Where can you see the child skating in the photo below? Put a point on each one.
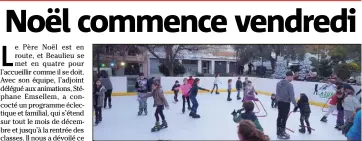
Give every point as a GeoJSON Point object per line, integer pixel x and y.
{"type": "Point", "coordinates": [238, 87]}
{"type": "Point", "coordinates": [175, 91]}
{"type": "Point", "coordinates": [216, 84]}
{"type": "Point", "coordinates": [98, 96]}
{"type": "Point", "coordinates": [160, 103]}
{"type": "Point", "coordinates": [141, 86]}
{"type": "Point", "coordinates": [229, 90]}
{"type": "Point", "coordinates": [193, 93]}
{"type": "Point", "coordinates": [273, 100]}
{"type": "Point", "coordinates": [245, 84]}
{"type": "Point", "coordinates": [185, 89]}
{"type": "Point", "coordinates": [303, 105]}
{"type": "Point", "coordinates": [340, 111]}
{"type": "Point", "coordinates": [350, 104]}
{"type": "Point", "coordinates": [249, 93]}
{"type": "Point", "coordinates": [332, 104]}
{"type": "Point", "coordinates": [247, 115]}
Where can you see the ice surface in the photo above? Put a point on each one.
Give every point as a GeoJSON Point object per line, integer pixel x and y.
{"type": "Point", "coordinates": [122, 123]}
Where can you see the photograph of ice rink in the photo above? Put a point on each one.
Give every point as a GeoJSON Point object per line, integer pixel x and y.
{"type": "Point", "coordinates": [216, 123]}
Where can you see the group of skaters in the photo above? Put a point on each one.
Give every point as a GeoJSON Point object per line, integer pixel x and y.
{"type": "Point", "coordinates": [348, 107]}
{"type": "Point", "coordinates": [189, 89]}
{"type": "Point", "coordinates": [348, 111]}
{"type": "Point", "coordinates": [344, 100]}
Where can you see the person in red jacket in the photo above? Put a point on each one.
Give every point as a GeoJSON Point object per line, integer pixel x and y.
{"type": "Point", "coordinates": [332, 104]}
{"type": "Point", "coordinates": [190, 80]}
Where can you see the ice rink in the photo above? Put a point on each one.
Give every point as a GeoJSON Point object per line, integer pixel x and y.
{"type": "Point", "coordinates": [122, 122]}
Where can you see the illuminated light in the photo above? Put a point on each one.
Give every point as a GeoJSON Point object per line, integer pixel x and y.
{"type": "Point", "coordinates": [103, 65]}
{"type": "Point", "coordinates": [123, 63]}
{"type": "Point", "coordinates": [112, 64]}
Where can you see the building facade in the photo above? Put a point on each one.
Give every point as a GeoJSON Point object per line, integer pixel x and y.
{"type": "Point", "coordinates": [121, 60]}
{"type": "Point", "coordinates": [211, 60]}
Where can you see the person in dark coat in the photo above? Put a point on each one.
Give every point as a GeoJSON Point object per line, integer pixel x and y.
{"type": "Point", "coordinates": [340, 111]}
{"type": "Point", "coordinates": [303, 105]}
{"type": "Point", "coordinates": [149, 83]}
{"type": "Point", "coordinates": [238, 87]}
{"type": "Point", "coordinates": [107, 83]}
{"type": "Point", "coordinates": [175, 90]}
{"type": "Point", "coordinates": [241, 69]}
{"type": "Point", "coordinates": [193, 93]}
{"type": "Point", "coordinates": [250, 67]}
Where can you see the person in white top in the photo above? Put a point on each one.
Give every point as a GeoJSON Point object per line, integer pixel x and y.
{"type": "Point", "coordinates": [216, 82]}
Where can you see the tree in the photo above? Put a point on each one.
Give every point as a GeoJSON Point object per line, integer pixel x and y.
{"type": "Point", "coordinates": [97, 51]}
{"type": "Point", "coordinates": [179, 69]}
{"type": "Point", "coordinates": [321, 51]}
{"type": "Point", "coordinates": [294, 52]}
{"type": "Point", "coordinates": [338, 54]}
{"type": "Point", "coordinates": [244, 53]}
{"type": "Point", "coordinates": [345, 70]}
{"type": "Point", "coordinates": [168, 54]}
{"type": "Point", "coordinates": [314, 62]}
{"type": "Point", "coordinates": [325, 68]}
{"type": "Point", "coordinates": [115, 50]}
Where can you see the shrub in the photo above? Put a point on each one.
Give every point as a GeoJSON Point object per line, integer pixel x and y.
{"type": "Point", "coordinates": [178, 69]}
{"type": "Point", "coordinates": [325, 69]}
{"type": "Point", "coordinates": [345, 70]}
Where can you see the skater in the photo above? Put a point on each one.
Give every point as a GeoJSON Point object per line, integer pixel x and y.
{"type": "Point", "coordinates": [245, 83]}
{"type": "Point", "coordinates": [340, 111]}
{"type": "Point", "coordinates": [216, 82]}
{"type": "Point", "coordinates": [350, 104]}
{"type": "Point", "coordinates": [229, 90]}
{"type": "Point", "coordinates": [332, 104]}
{"type": "Point", "coordinates": [249, 93]}
{"type": "Point", "coordinates": [98, 96]}
{"type": "Point", "coordinates": [106, 82]}
{"type": "Point", "coordinates": [354, 133]}
{"type": "Point", "coordinates": [190, 80]}
{"type": "Point", "coordinates": [175, 91]}
{"type": "Point", "coordinates": [349, 123]}
{"type": "Point", "coordinates": [303, 105]}
{"type": "Point", "coordinates": [238, 87]}
{"type": "Point", "coordinates": [193, 93]}
{"type": "Point", "coordinates": [247, 115]}
{"type": "Point", "coordinates": [159, 102]}
{"type": "Point", "coordinates": [248, 132]}
{"type": "Point", "coordinates": [141, 86]}
{"type": "Point", "coordinates": [273, 100]}
{"type": "Point", "coordinates": [185, 89]}
{"type": "Point", "coordinates": [285, 95]}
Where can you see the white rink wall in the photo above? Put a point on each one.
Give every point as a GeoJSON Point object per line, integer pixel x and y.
{"type": "Point", "coordinates": [264, 85]}
{"type": "Point", "coordinates": [119, 84]}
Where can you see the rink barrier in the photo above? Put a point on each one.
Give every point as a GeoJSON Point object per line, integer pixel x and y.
{"type": "Point", "coordinates": [317, 92]}
{"type": "Point", "coordinates": [220, 90]}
